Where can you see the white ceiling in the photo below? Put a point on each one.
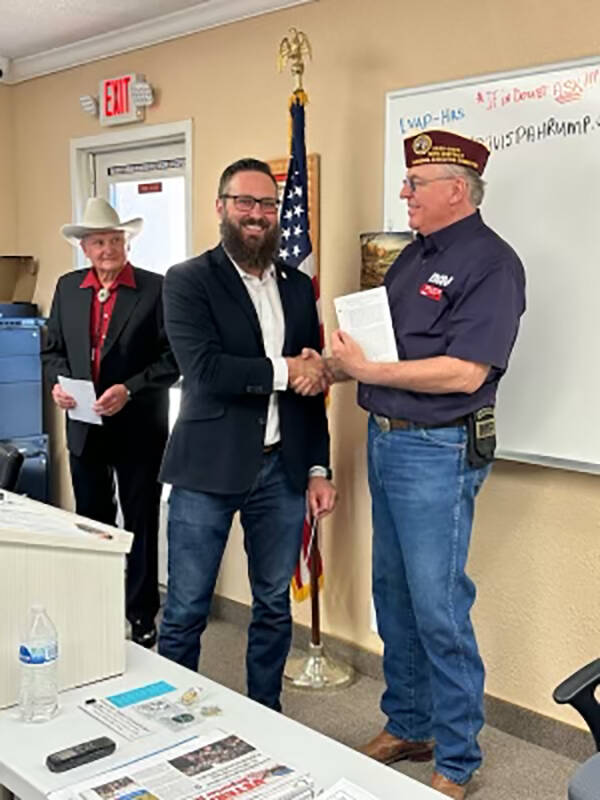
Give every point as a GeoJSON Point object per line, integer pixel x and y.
{"type": "Point", "coordinates": [42, 36]}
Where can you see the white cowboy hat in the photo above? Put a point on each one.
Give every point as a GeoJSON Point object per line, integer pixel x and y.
{"type": "Point", "coordinates": [100, 216]}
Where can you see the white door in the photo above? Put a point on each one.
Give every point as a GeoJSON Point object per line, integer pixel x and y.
{"type": "Point", "coordinates": [150, 182]}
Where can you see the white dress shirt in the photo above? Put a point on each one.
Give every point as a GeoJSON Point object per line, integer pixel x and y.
{"type": "Point", "coordinates": [264, 294]}
{"type": "Point", "coordinates": [266, 300]}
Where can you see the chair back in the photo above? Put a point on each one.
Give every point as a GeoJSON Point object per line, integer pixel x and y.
{"type": "Point", "coordinates": [10, 465]}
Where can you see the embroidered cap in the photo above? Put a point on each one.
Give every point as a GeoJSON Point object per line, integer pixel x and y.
{"type": "Point", "coordinates": [445, 147]}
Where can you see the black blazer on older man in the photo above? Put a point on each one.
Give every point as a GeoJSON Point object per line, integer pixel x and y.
{"type": "Point", "coordinates": [217, 443]}
{"type": "Point", "coordinates": [136, 353]}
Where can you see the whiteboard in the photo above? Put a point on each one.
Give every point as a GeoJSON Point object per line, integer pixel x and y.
{"type": "Point", "coordinates": [543, 197]}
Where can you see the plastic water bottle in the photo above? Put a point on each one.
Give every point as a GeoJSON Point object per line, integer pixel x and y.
{"type": "Point", "coordinates": [38, 654]}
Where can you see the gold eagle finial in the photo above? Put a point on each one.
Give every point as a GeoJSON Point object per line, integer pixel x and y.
{"type": "Point", "coordinates": [292, 48]}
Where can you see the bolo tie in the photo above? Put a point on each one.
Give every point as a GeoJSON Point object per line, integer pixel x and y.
{"type": "Point", "coordinates": [102, 295]}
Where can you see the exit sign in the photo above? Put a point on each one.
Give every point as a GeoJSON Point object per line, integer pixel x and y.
{"type": "Point", "coordinates": [116, 101]}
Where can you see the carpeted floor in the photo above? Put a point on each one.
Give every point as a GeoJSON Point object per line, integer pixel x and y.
{"type": "Point", "coordinates": [513, 769]}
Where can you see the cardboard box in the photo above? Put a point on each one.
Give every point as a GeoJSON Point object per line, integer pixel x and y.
{"type": "Point", "coordinates": [18, 277]}
{"type": "Point", "coordinates": [78, 574]}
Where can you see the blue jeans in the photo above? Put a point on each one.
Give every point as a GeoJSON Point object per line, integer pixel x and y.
{"type": "Point", "coordinates": [272, 515]}
{"type": "Point", "coordinates": [423, 493]}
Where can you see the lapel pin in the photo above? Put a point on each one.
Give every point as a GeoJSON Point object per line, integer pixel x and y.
{"type": "Point", "coordinates": [284, 275]}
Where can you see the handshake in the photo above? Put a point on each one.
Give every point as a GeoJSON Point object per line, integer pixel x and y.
{"type": "Point", "coordinates": [311, 374]}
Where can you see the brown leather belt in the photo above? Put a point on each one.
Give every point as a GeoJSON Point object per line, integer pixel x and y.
{"type": "Point", "coordinates": [270, 448]}
{"type": "Point", "coordinates": [387, 424]}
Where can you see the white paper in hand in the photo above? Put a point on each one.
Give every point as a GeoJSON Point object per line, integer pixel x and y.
{"type": "Point", "coordinates": [85, 397]}
{"type": "Point", "coordinates": [367, 318]}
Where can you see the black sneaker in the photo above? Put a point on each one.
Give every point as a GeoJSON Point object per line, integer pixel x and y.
{"type": "Point", "coordinates": [143, 633]}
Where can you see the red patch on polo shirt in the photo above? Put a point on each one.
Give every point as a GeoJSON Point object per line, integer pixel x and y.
{"type": "Point", "coordinates": [432, 292]}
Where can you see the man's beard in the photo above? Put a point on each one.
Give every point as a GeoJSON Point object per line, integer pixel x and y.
{"type": "Point", "coordinates": [253, 253]}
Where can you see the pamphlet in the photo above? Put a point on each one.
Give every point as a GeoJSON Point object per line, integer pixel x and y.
{"type": "Point", "coordinates": [85, 396]}
{"type": "Point", "coordinates": [367, 318]}
{"type": "Point", "coordinates": [148, 709]}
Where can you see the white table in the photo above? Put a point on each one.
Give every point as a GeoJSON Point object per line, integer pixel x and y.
{"type": "Point", "coordinates": [24, 747]}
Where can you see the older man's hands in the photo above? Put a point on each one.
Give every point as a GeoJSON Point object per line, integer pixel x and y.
{"type": "Point", "coordinates": [61, 398]}
{"type": "Point", "coordinates": [112, 400]}
{"type": "Point", "coordinates": [348, 354]}
{"type": "Point", "coordinates": [108, 404]}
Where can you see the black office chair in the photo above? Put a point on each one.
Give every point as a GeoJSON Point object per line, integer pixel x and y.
{"type": "Point", "coordinates": [579, 691]}
{"type": "Point", "coordinates": [10, 465]}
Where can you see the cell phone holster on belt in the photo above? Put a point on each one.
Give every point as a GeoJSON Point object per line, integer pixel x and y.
{"type": "Point", "coordinates": [481, 436]}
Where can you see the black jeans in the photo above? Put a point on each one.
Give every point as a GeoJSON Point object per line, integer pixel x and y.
{"type": "Point", "coordinates": [93, 475]}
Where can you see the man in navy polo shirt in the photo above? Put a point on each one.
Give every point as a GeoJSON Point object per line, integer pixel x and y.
{"type": "Point", "coordinates": [456, 295]}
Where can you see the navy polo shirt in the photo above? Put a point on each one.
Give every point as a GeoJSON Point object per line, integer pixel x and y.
{"type": "Point", "coordinates": [458, 292]}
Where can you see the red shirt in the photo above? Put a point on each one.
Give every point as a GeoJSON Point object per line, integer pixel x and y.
{"type": "Point", "coordinates": [101, 313]}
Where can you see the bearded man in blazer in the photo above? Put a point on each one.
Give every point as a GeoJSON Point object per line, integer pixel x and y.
{"type": "Point", "coordinates": [106, 326]}
{"type": "Point", "coordinates": [244, 331]}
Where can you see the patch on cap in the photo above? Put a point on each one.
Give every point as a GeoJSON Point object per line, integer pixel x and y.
{"type": "Point", "coordinates": [445, 147]}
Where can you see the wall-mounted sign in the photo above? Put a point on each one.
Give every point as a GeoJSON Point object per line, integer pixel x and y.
{"type": "Point", "coordinates": [116, 101]}
{"type": "Point", "coordinates": [121, 99]}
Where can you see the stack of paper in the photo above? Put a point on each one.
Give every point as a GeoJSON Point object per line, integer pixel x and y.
{"type": "Point", "coordinates": [213, 767]}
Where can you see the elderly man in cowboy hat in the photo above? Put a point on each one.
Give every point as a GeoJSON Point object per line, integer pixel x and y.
{"type": "Point", "coordinates": [106, 326]}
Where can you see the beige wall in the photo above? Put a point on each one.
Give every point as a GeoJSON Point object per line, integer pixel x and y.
{"type": "Point", "coordinates": [8, 198]}
{"type": "Point", "coordinates": [535, 549]}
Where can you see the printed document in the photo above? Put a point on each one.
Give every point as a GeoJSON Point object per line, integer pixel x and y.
{"type": "Point", "coordinates": [346, 790]}
{"type": "Point", "coordinates": [85, 397]}
{"type": "Point", "coordinates": [367, 318]}
{"type": "Point", "coordinates": [148, 709]}
{"type": "Point", "coordinates": [219, 766]}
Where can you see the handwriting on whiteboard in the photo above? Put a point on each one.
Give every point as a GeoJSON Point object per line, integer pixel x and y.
{"type": "Point", "coordinates": [537, 132]}
{"type": "Point", "coordinates": [441, 117]}
{"type": "Point", "coordinates": [564, 90]}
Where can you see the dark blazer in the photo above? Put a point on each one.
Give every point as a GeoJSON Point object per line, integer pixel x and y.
{"type": "Point", "coordinates": [136, 353]}
{"type": "Point", "coordinates": [217, 443]}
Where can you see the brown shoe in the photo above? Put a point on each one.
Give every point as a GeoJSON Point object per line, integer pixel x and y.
{"type": "Point", "coordinates": [387, 749]}
{"type": "Point", "coordinates": [445, 786]}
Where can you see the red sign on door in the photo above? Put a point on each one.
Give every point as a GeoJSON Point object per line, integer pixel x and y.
{"type": "Point", "coordinates": [144, 188]}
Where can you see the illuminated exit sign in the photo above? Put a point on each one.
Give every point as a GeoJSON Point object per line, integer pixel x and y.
{"type": "Point", "coordinates": [116, 101]}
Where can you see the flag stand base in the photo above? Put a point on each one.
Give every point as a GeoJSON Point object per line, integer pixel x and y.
{"type": "Point", "coordinates": [317, 671]}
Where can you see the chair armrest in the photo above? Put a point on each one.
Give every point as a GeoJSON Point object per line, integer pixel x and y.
{"type": "Point", "coordinates": [578, 690]}
{"type": "Point", "coordinates": [10, 464]}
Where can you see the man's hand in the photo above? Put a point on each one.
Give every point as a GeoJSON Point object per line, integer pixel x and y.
{"type": "Point", "coordinates": [306, 373]}
{"type": "Point", "coordinates": [61, 398]}
{"type": "Point", "coordinates": [348, 353]}
{"type": "Point", "coordinates": [112, 400]}
{"type": "Point", "coordinates": [322, 496]}
{"type": "Point", "coordinates": [333, 370]}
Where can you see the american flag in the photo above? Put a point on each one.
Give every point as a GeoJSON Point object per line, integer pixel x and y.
{"type": "Point", "coordinates": [296, 251]}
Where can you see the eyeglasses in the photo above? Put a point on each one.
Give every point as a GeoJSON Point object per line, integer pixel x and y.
{"type": "Point", "coordinates": [246, 202]}
{"type": "Point", "coordinates": [413, 183]}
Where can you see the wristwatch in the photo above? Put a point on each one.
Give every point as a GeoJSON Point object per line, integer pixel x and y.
{"type": "Point", "coordinates": [320, 472]}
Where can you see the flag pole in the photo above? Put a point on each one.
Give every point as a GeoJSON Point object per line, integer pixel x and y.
{"type": "Point", "coordinates": [315, 670]}
{"type": "Point", "coordinates": [315, 611]}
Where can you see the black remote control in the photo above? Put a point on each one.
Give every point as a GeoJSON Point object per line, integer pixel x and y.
{"type": "Point", "coordinates": [80, 754]}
